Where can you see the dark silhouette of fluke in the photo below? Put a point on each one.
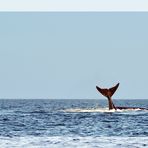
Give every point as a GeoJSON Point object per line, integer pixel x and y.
{"type": "Point", "coordinates": [109, 93]}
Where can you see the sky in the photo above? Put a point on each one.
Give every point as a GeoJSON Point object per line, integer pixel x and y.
{"type": "Point", "coordinates": [73, 5]}
{"type": "Point", "coordinates": [64, 55]}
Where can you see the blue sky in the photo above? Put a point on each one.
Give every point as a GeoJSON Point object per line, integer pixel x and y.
{"type": "Point", "coordinates": [65, 55]}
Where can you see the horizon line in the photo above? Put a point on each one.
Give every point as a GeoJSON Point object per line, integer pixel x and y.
{"type": "Point", "coordinates": [69, 99]}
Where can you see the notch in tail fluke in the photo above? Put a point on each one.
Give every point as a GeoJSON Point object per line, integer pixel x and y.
{"type": "Point", "coordinates": [107, 92]}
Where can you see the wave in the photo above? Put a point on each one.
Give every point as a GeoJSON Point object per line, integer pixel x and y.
{"type": "Point", "coordinates": [73, 141]}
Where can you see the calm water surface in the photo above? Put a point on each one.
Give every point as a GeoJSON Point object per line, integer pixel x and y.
{"type": "Point", "coordinates": [72, 123]}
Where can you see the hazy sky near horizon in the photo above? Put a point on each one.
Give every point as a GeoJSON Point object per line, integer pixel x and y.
{"type": "Point", "coordinates": [65, 55]}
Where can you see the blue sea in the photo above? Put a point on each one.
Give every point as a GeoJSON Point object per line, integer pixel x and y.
{"type": "Point", "coordinates": [72, 123]}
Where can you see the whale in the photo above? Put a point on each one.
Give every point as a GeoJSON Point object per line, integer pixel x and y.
{"type": "Point", "coordinates": [109, 92]}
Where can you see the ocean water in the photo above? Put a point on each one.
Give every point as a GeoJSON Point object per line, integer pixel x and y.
{"type": "Point", "coordinates": [70, 123]}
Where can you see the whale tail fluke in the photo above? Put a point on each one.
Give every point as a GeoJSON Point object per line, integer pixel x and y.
{"type": "Point", "coordinates": [107, 92]}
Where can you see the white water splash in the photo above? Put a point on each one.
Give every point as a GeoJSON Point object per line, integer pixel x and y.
{"type": "Point", "coordinates": [101, 110]}
{"type": "Point", "coordinates": [73, 142]}
{"type": "Point", "coordinates": [89, 110]}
